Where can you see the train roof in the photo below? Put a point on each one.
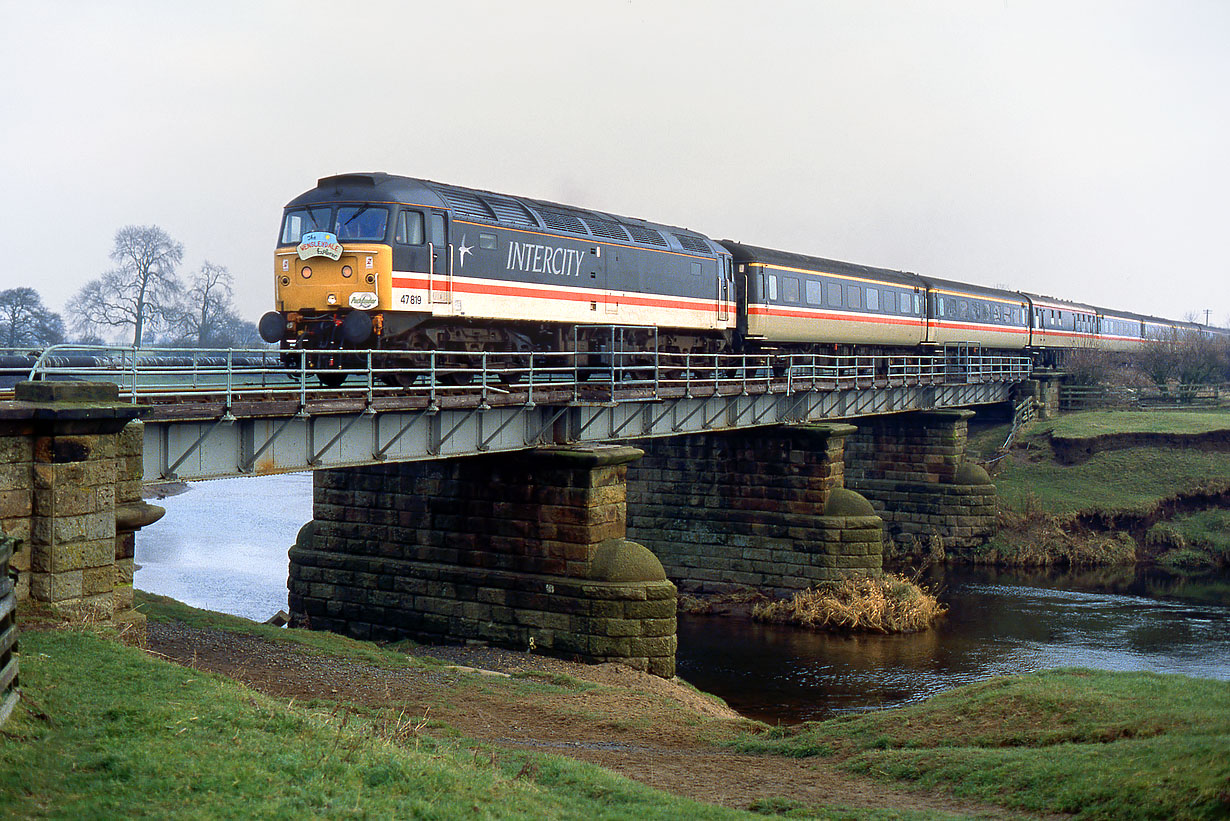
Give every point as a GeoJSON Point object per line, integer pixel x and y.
{"type": "Point", "coordinates": [1041, 300]}
{"type": "Point", "coordinates": [786, 259]}
{"type": "Point", "coordinates": [976, 290]}
{"type": "Point", "coordinates": [504, 209]}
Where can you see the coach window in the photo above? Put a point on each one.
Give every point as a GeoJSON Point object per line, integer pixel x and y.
{"type": "Point", "coordinates": [854, 296]}
{"type": "Point", "coordinates": [814, 291]}
{"type": "Point", "coordinates": [873, 299]}
{"type": "Point", "coordinates": [790, 288]}
{"type": "Point", "coordinates": [773, 286]}
{"type": "Point", "coordinates": [904, 301]}
{"type": "Point", "coordinates": [833, 295]}
{"type": "Point", "coordinates": [410, 228]}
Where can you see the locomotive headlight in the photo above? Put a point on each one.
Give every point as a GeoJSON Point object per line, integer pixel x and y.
{"type": "Point", "coordinates": [307, 272]}
{"type": "Point", "coordinates": [286, 280]}
{"type": "Point", "coordinates": [331, 299]}
{"type": "Point", "coordinates": [370, 278]}
{"type": "Point", "coordinates": [347, 271]}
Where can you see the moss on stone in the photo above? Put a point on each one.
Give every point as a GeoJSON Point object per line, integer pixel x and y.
{"type": "Point", "coordinates": [845, 502]}
{"type": "Point", "coordinates": [619, 560]}
{"type": "Point", "coordinates": [970, 473]}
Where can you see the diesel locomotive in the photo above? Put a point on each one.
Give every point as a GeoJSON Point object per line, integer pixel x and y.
{"type": "Point", "coordinates": [383, 262]}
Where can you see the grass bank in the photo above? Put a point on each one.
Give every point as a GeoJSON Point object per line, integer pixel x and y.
{"type": "Point", "coordinates": [107, 731]}
{"type": "Point", "coordinates": [1097, 512]}
{"type": "Point", "coordinates": [1100, 423]}
{"type": "Point", "coordinates": [1091, 743]}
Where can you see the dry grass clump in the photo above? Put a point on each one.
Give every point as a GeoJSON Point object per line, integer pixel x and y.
{"type": "Point", "coordinates": [886, 604]}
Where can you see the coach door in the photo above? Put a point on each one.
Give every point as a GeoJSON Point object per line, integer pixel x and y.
{"type": "Point", "coordinates": [440, 272]}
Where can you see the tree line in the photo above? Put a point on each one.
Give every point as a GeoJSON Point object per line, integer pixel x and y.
{"type": "Point", "coordinates": [143, 300]}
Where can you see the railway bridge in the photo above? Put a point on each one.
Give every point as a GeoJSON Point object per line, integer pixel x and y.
{"type": "Point", "coordinates": [557, 503]}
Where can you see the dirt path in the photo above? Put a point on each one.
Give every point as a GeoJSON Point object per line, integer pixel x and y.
{"type": "Point", "coordinates": [659, 732]}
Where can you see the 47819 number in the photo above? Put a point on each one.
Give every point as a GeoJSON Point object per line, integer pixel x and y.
{"type": "Point", "coordinates": [412, 299]}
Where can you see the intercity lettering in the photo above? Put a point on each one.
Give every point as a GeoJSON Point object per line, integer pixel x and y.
{"type": "Point", "coordinates": [544, 259]}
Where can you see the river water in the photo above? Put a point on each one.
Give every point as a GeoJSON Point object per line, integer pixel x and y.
{"type": "Point", "coordinates": [222, 546]}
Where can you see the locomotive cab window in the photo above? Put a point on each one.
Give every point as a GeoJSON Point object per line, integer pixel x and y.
{"type": "Point", "coordinates": [410, 228]}
{"type": "Point", "coordinates": [297, 223]}
{"type": "Point", "coordinates": [361, 222]}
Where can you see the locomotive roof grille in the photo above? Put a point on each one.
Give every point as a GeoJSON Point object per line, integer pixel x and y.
{"type": "Point", "coordinates": [691, 243]}
{"type": "Point", "coordinates": [606, 228]}
{"type": "Point", "coordinates": [468, 205]}
{"type": "Point", "coordinates": [645, 235]}
{"type": "Point", "coordinates": [562, 222]}
{"type": "Point", "coordinates": [510, 212]}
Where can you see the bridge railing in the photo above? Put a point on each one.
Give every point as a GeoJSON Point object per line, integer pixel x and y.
{"type": "Point", "coordinates": [154, 375]}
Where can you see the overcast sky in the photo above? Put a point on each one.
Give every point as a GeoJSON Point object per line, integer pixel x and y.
{"type": "Point", "coordinates": [1076, 148]}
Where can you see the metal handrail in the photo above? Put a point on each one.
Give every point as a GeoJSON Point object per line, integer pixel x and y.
{"type": "Point", "coordinates": [229, 375]}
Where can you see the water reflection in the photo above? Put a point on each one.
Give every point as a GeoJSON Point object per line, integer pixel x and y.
{"type": "Point", "coordinates": [222, 546]}
{"type": "Point", "coordinates": [999, 623]}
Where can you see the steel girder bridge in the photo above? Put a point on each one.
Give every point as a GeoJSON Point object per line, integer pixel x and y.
{"type": "Point", "coordinates": [214, 414]}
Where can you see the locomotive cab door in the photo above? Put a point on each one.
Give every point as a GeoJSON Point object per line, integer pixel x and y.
{"type": "Point", "coordinates": [440, 273]}
{"type": "Point", "coordinates": [723, 294]}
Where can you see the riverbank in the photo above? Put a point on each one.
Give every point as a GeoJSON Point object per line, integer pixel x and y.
{"type": "Point", "coordinates": [226, 717]}
{"type": "Point", "coordinates": [1110, 487]}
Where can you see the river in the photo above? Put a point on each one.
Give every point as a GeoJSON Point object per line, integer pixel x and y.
{"type": "Point", "coordinates": [222, 546]}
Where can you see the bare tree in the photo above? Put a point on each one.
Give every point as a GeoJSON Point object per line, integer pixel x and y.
{"type": "Point", "coordinates": [205, 305]}
{"type": "Point", "coordinates": [140, 292]}
{"type": "Point", "coordinates": [205, 316]}
{"type": "Point", "coordinates": [24, 320]}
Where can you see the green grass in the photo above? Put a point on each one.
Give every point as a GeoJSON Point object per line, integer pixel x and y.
{"type": "Point", "coordinates": [1198, 540]}
{"type": "Point", "coordinates": [1132, 480]}
{"type": "Point", "coordinates": [1098, 423]}
{"type": "Point", "coordinates": [162, 609]}
{"type": "Point", "coordinates": [106, 731]}
{"type": "Point", "coordinates": [1093, 743]}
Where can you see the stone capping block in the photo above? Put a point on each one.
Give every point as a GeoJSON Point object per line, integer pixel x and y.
{"type": "Point", "coordinates": [75, 407]}
{"type": "Point", "coordinates": [585, 458]}
{"type": "Point", "coordinates": [820, 431]}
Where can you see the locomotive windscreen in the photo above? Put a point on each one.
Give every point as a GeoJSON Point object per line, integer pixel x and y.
{"type": "Point", "coordinates": [347, 222]}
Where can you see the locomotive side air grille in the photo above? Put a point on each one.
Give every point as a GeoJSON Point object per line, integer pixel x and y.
{"type": "Point", "coordinates": [691, 243]}
{"type": "Point", "coordinates": [467, 205]}
{"type": "Point", "coordinates": [562, 222]}
{"type": "Point", "coordinates": [606, 228]}
{"type": "Point", "coordinates": [510, 212]}
{"type": "Point", "coordinates": [645, 235]}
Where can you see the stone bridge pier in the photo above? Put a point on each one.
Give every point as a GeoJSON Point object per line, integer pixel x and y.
{"type": "Point", "coordinates": [913, 469]}
{"type": "Point", "coordinates": [764, 508]}
{"type": "Point", "coordinates": [70, 494]}
{"type": "Point", "coordinates": [526, 550]}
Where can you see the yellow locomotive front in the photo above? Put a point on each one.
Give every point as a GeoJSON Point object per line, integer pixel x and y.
{"type": "Point", "coordinates": [332, 277]}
